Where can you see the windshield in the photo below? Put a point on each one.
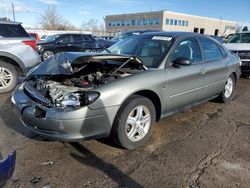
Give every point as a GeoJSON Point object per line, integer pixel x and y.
{"type": "Point", "coordinates": [51, 38]}
{"type": "Point", "coordinates": [150, 49]}
{"type": "Point", "coordinates": [124, 35]}
{"type": "Point", "coordinates": [239, 38]}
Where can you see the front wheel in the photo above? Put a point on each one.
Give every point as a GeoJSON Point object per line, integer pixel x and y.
{"type": "Point", "coordinates": [47, 54]}
{"type": "Point", "coordinates": [133, 124]}
{"type": "Point", "coordinates": [227, 94]}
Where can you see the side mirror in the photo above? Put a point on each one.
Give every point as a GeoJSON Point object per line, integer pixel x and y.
{"type": "Point", "coordinates": [181, 61]}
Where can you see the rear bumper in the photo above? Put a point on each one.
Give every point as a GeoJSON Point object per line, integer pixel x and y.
{"type": "Point", "coordinates": [68, 125]}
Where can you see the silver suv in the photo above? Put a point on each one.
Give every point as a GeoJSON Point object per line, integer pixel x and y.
{"type": "Point", "coordinates": [17, 54]}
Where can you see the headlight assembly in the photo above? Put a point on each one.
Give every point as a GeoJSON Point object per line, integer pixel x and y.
{"type": "Point", "coordinates": [78, 99]}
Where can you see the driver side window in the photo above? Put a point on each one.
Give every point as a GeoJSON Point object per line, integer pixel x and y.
{"type": "Point", "coordinates": [189, 49]}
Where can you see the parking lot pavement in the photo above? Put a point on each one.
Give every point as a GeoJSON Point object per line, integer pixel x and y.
{"type": "Point", "coordinates": [206, 146]}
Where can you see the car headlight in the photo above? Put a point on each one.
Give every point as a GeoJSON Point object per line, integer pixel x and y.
{"type": "Point", "coordinates": [90, 97]}
{"type": "Point", "coordinates": [78, 99]}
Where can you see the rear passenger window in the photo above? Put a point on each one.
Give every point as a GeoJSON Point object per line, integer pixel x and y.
{"type": "Point", "coordinates": [65, 39]}
{"type": "Point", "coordinates": [86, 37]}
{"type": "Point", "coordinates": [77, 38]}
{"type": "Point", "coordinates": [12, 30]}
{"type": "Point", "coordinates": [211, 50]}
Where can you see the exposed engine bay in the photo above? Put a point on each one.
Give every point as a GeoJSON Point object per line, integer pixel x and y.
{"type": "Point", "coordinates": [75, 90]}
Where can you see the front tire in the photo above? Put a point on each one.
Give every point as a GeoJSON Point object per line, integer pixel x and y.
{"type": "Point", "coordinates": [8, 77]}
{"type": "Point", "coordinates": [134, 121]}
{"type": "Point", "coordinates": [228, 91]}
{"type": "Point", "coordinates": [47, 54]}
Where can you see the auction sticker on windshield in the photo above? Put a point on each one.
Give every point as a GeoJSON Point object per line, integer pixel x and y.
{"type": "Point", "coordinates": [162, 38]}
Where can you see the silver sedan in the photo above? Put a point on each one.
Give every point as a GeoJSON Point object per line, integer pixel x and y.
{"type": "Point", "coordinates": [122, 92]}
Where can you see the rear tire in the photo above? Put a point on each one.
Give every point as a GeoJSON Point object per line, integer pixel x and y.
{"type": "Point", "coordinates": [134, 121]}
{"type": "Point", "coordinates": [8, 77]}
{"type": "Point", "coordinates": [229, 89]}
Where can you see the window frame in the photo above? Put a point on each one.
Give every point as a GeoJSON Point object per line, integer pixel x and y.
{"type": "Point", "coordinates": [222, 51]}
{"type": "Point", "coordinates": [167, 21]}
{"type": "Point", "coordinates": [176, 44]}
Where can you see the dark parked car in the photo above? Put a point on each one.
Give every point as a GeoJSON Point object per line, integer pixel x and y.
{"type": "Point", "coordinates": [76, 96]}
{"type": "Point", "coordinates": [122, 36]}
{"type": "Point", "coordinates": [65, 43]}
{"type": "Point", "coordinates": [221, 40]}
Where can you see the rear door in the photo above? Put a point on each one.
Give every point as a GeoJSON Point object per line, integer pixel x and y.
{"type": "Point", "coordinates": [185, 84]}
{"type": "Point", "coordinates": [77, 43]}
{"type": "Point", "coordinates": [216, 65]}
{"type": "Point", "coordinates": [88, 42]}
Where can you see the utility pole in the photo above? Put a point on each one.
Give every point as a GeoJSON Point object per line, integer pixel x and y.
{"type": "Point", "coordinates": [6, 9]}
{"type": "Point", "coordinates": [13, 11]}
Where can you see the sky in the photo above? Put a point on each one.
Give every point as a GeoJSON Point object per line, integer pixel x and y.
{"type": "Point", "coordinates": [78, 11]}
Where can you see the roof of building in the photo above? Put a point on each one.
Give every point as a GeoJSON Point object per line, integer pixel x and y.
{"type": "Point", "coordinates": [166, 11]}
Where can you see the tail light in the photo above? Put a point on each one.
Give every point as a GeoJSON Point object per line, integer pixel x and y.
{"type": "Point", "coordinates": [31, 43]}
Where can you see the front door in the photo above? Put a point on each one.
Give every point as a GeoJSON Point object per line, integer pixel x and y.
{"type": "Point", "coordinates": [186, 84]}
{"type": "Point", "coordinates": [64, 43]}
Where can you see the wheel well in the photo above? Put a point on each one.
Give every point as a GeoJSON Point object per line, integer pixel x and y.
{"type": "Point", "coordinates": [12, 62]}
{"type": "Point", "coordinates": [235, 77]}
{"type": "Point", "coordinates": [154, 98]}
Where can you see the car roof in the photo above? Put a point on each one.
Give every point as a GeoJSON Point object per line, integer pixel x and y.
{"type": "Point", "coordinates": [10, 22]}
{"type": "Point", "coordinates": [174, 34]}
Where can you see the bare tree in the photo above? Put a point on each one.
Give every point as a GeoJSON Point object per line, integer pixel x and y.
{"type": "Point", "coordinates": [51, 20]}
{"type": "Point", "coordinates": [91, 25]}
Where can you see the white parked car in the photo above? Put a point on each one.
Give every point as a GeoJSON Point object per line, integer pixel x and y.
{"type": "Point", "coordinates": [239, 44]}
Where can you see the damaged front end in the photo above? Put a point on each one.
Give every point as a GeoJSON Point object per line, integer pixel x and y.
{"type": "Point", "coordinates": [70, 79]}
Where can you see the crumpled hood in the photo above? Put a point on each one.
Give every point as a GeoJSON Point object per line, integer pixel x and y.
{"type": "Point", "coordinates": [61, 62]}
{"type": "Point", "coordinates": [237, 46]}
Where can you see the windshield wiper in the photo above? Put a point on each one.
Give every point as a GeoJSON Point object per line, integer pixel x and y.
{"type": "Point", "coordinates": [106, 49]}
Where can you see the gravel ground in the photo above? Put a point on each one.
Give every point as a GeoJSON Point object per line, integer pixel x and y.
{"type": "Point", "coordinates": [206, 146]}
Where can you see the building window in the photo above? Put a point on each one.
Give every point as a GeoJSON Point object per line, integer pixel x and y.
{"type": "Point", "coordinates": [123, 23]}
{"type": "Point", "coordinates": [179, 22]}
{"type": "Point", "coordinates": [171, 22]}
{"type": "Point", "coordinates": [138, 22]}
{"type": "Point", "coordinates": [144, 22]}
{"type": "Point", "coordinates": [150, 21]}
{"type": "Point", "coordinates": [167, 21]}
{"type": "Point", "coordinates": [175, 22]}
{"type": "Point", "coordinates": [157, 21]}
{"type": "Point", "coordinates": [113, 23]}
{"type": "Point", "coordinates": [110, 24]}
{"type": "Point", "coordinates": [183, 23]}
{"type": "Point", "coordinates": [133, 22]}
{"type": "Point", "coordinates": [127, 22]}
{"type": "Point", "coordinates": [118, 23]}
{"type": "Point", "coordinates": [228, 27]}
{"type": "Point", "coordinates": [187, 23]}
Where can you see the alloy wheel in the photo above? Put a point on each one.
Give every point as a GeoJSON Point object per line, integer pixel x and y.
{"type": "Point", "coordinates": [47, 54]}
{"type": "Point", "coordinates": [138, 123]}
{"type": "Point", "coordinates": [229, 87]}
{"type": "Point", "coordinates": [6, 78]}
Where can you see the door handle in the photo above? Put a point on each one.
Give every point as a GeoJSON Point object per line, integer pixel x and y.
{"type": "Point", "coordinates": [203, 71]}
